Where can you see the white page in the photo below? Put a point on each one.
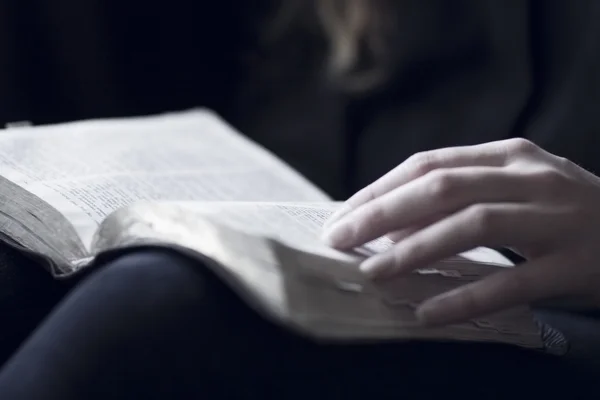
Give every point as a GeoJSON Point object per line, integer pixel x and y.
{"type": "Point", "coordinates": [88, 169]}
{"type": "Point", "coordinates": [296, 224]}
{"type": "Point", "coordinates": [300, 225]}
{"type": "Point", "coordinates": [324, 295]}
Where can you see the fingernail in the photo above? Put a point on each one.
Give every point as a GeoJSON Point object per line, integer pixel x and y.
{"type": "Point", "coordinates": [340, 212]}
{"type": "Point", "coordinates": [336, 235]}
{"type": "Point", "coordinates": [375, 267]}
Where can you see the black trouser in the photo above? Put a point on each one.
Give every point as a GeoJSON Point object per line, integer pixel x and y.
{"type": "Point", "coordinates": [154, 324]}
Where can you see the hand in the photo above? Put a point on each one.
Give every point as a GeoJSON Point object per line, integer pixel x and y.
{"type": "Point", "coordinates": [509, 193]}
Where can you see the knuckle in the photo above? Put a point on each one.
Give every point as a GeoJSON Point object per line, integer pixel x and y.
{"type": "Point", "coordinates": [422, 163]}
{"type": "Point", "coordinates": [370, 219]}
{"type": "Point", "coordinates": [520, 147]}
{"type": "Point", "coordinates": [441, 185]}
{"type": "Point", "coordinates": [366, 195]}
{"type": "Point", "coordinates": [549, 178]}
{"type": "Point", "coordinates": [566, 165]}
{"type": "Point", "coordinates": [373, 216]}
{"type": "Point", "coordinates": [480, 220]}
{"type": "Point", "coordinates": [352, 229]}
{"type": "Point", "coordinates": [550, 183]}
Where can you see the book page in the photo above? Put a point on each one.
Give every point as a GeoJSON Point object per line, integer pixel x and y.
{"type": "Point", "coordinates": [270, 254]}
{"type": "Point", "coordinates": [296, 224]}
{"type": "Point", "coordinates": [300, 226]}
{"type": "Point", "coordinates": [86, 170]}
{"type": "Point", "coordinates": [32, 226]}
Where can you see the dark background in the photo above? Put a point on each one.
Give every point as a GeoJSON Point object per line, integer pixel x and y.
{"type": "Point", "coordinates": [64, 60]}
{"type": "Point", "coordinates": [71, 59]}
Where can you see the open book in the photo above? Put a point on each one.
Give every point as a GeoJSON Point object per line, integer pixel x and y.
{"type": "Point", "coordinates": [72, 192]}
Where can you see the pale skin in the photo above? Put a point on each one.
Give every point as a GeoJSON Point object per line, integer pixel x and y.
{"type": "Point", "coordinates": [508, 193]}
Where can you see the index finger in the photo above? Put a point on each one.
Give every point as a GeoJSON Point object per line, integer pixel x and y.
{"type": "Point", "coordinates": [493, 154]}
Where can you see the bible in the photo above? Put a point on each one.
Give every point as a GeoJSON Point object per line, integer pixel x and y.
{"type": "Point", "coordinates": [74, 193]}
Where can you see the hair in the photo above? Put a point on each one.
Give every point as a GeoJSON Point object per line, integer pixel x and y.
{"type": "Point", "coordinates": [355, 33]}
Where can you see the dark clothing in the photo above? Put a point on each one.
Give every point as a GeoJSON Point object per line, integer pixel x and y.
{"type": "Point", "coordinates": [27, 294]}
{"type": "Point", "coordinates": [154, 324]}
{"type": "Point", "coordinates": [464, 71]}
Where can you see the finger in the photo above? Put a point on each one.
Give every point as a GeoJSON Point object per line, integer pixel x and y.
{"type": "Point", "coordinates": [404, 233]}
{"type": "Point", "coordinates": [488, 154]}
{"type": "Point", "coordinates": [491, 225]}
{"type": "Point", "coordinates": [440, 192]}
{"type": "Point", "coordinates": [537, 280]}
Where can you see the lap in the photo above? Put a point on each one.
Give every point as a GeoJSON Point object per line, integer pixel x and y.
{"type": "Point", "coordinates": [158, 318]}
{"type": "Point", "coordinates": [27, 294]}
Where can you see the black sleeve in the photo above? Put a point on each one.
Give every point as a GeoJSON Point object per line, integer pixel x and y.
{"type": "Point", "coordinates": [563, 115]}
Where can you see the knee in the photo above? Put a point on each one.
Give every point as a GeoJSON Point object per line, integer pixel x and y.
{"type": "Point", "coordinates": [157, 263]}
{"type": "Point", "coordinates": [166, 289]}
{"type": "Point", "coordinates": [157, 278]}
